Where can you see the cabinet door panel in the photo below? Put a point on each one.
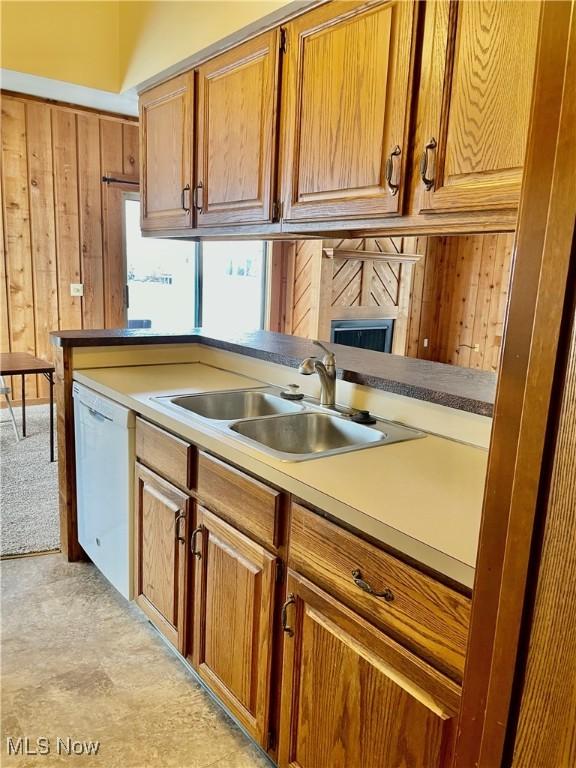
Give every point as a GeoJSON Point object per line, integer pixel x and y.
{"type": "Point", "coordinates": [234, 600]}
{"type": "Point", "coordinates": [477, 101]}
{"type": "Point", "coordinates": [347, 86]}
{"type": "Point", "coordinates": [237, 104]}
{"type": "Point", "coordinates": [161, 529]}
{"type": "Point", "coordinates": [350, 697]}
{"type": "Point", "coordinates": [166, 128]}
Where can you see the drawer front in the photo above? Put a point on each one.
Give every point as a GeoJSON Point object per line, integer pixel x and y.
{"type": "Point", "coordinates": [170, 456]}
{"type": "Point", "coordinates": [420, 612]}
{"type": "Point", "coordinates": [246, 503]}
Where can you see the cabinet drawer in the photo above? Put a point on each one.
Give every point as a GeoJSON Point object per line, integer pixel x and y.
{"type": "Point", "coordinates": [415, 609]}
{"type": "Point", "coordinates": [245, 502]}
{"type": "Point", "coordinates": [168, 455]}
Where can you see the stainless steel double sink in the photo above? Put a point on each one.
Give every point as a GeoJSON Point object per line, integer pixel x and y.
{"type": "Point", "coordinates": [287, 429]}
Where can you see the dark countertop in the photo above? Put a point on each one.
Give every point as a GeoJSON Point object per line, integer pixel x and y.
{"type": "Point", "coordinates": [465, 389]}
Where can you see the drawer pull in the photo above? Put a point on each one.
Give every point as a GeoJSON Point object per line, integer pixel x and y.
{"type": "Point", "coordinates": [290, 600]}
{"type": "Point", "coordinates": [387, 594]}
{"type": "Point", "coordinates": [195, 533]}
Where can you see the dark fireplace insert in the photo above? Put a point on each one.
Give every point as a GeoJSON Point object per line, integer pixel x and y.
{"type": "Point", "coordinates": [366, 334]}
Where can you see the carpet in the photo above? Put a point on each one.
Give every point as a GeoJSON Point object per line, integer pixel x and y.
{"type": "Point", "coordinates": [29, 520]}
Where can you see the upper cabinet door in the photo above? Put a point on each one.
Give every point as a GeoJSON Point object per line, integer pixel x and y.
{"type": "Point", "coordinates": [476, 91]}
{"type": "Point", "coordinates": [345, 108]}
{"type": "Point", "coordinates": [236, 147]}
{"type": "Point", "coordinates": [166, 127]}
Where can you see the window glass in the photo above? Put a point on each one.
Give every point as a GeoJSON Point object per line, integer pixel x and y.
{"type": "Point", "coordinates": [233, 282]}
{"type": "Point", "coordinates": [161, 277]}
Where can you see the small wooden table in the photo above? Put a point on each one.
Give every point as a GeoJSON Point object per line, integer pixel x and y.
{"type": "Point", "coordinates": [21, 364]}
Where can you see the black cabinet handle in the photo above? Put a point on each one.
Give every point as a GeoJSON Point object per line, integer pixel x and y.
{"type": "Point", "coordinates": [198, 191]}
{"type": "Point", "coordinates": [290, 600]}
{"type": "Point", "coordinates": [387, 594]}
{"type": "Point", "coordinates": [181, 516]}
{"type": "Point", "coordinates": [393, 188]}
{"type": "Point", "coordinates": [428, 183]}
{"type": "Point", "coordinates": [195, 533]}
{"type": "Point", "coordinates": [183, 202]}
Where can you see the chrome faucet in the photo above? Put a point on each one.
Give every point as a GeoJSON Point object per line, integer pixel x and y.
{"type": "Point", "coordinates": [326, 370]}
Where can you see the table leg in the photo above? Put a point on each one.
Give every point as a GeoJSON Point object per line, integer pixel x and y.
{"type": "Point", "coordinates": [23, 405]}
{"type": "Point", "coordinates": [51, 381]}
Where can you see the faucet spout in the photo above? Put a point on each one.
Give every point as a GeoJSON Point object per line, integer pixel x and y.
{"type": "Point", "coordinates": [326, 370]}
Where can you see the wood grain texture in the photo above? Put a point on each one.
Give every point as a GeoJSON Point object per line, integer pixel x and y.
{"type": "Point", "coordinates": [236, 142]}
{"type": "Point", "coordinates": [475, 101]}
{"type": "Point", "coordinates": [54, 223]}
{"type": "Point", "coordinates": [547, 722]}
{"type": "Point", "coordinates": [426, 616]}
{"type": "Point", "coordinates": [459, 298]}
{"type": "Point", "coordinates": [170, 456]}
{"type": "Point", "coordinates": [247, 503]}
{"type": "Point", "coordinates": [346, 90]}
{"type": "Point", "coordinates": [160, 548]}
{"type": "Point", "coordinates": [233, 614]}
{"type": "Point", "coordinates": [166, 140]}
{"type": "Point", "coordinates": [381, 706]}
{"type": "Point", "coordinates": [130, 150]}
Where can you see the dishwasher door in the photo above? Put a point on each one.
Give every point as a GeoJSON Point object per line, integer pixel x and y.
{"type": "Point", "coordinates": [104, 436]}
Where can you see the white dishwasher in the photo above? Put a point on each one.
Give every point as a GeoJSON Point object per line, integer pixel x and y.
{"type": "Point", "coordinates": [104, 436]}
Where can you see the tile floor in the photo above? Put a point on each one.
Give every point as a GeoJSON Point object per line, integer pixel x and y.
{"type": "Point", "coordinates": [79, 662]}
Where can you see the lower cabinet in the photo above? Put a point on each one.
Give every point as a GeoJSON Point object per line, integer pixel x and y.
{"type": "Point", "coordinates": [160, 535]}
{"type": "Point", "coordinates": [232, 616]}
{"type": "Point", "coordinates": [352, 697]}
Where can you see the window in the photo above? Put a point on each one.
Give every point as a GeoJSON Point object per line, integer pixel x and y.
{"type": "Point", "coordinates": [233, 285]}
{"type": "Point", "coordinates": [178, 284]}
{"type": "Point", "coordinates": [161, 277]}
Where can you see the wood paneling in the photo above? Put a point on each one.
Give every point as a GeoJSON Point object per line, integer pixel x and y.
{"type": "Point", "coordinates": [236, 141]}
{"type": "Point", "coordinates": [233, 613]}
{"type": "Point", "coordinates": [346, 93]}
{"type": "Point", "coordinates": [352, 697]}
{"type": "Point", "coordinates": [459, 298]}
{"type": "Point", "coordinates": [546, 732]}
{"type": "Point", "coordinates": [475, 97]}
{"type": "Point", "coordinates": [53, 158]}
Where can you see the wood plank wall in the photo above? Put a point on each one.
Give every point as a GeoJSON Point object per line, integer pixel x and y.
{"type": "Point", "coordinates": [459, 298]}
{"type": "Point", "coordinates": [53, 159]}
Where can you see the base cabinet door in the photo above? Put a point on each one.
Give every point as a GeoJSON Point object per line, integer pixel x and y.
{"type": "Point", "coordinates": [475, 97]}
{"type": "Point", "coordinates": [346, 94]}
{"type": "Point", "coordinates": [166, 132]}
{"type": "Point", "coordinates": [236, 141]}
{"type": "Point", "coordinates": [160, 534]}
{"type": "Point", "coordinates": [352, 698]}
{"type": "Point", "coordinates": [232, 619]}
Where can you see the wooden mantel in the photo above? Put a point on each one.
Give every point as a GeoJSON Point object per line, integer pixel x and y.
{"type": "Point", "coordinates": [362, 255]}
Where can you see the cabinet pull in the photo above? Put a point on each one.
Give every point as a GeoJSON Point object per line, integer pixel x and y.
{"type": "Point", "coordinates": [290, 600]}
{"type": "Point", "coordinates": [184, 190]}
{"type": "Point", "coordinates": [392, 188]}
{"type": "Point", "coordinates": [387, 594]}
{"type": "Point", "coordinates": [181, 516]}
{"type": "Point", "coordinates": [198, 190]}
{"type": "Point", "coordinates": [195, 533]}
{"type": "Point", "coordinates": [428, 183]}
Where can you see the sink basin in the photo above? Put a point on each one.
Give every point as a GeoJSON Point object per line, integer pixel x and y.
{"type": "Point", "coordinates": [238, 404]}
{"type": "Point", "coordinates": [308, 435]}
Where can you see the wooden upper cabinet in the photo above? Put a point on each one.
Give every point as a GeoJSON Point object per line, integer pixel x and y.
{"type": "Point", "coordinates": [236, 145]}
{"type": "Point", "coordinates": [160, 534]}
{"type": "Point", "coordinates": [346, 96]}
{"type": "Point", "coordinates": [477, 70]}
{"type": "Point", "coordinates": [166, 132]}
{"type": "Point", "coordinates": [352, 697]}
{"type": "Point", "coordinates": [232, 620]}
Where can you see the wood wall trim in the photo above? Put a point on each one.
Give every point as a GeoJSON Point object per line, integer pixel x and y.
{"type": "Point", "coordinates": [522, 411]}
{"type": "Point", "coordinates": [71, 107]}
